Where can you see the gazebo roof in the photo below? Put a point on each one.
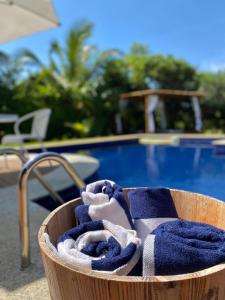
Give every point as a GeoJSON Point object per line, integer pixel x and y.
{"type": "Point", "coordinates": [162, 92]}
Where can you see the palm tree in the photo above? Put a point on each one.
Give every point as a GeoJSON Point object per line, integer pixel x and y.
{"type": "Point", "coordinates": [72, 71]}
{"type": "Point", "coordinates": [72, 64]}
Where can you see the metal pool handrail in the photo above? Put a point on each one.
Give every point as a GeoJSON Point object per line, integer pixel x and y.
{"type": "Point", "coordinates": [23, 203]}
{"type": "Point", "coordinates": [56, 197]}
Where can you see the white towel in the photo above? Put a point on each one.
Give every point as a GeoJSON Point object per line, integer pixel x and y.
{"type": "Point", "coordinates": [100, 246]}
{"type": "Point", "coordinates": [104, 200]}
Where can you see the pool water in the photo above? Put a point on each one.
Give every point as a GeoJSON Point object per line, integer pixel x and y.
{"type": "Point", "coordinates": [189, 168]}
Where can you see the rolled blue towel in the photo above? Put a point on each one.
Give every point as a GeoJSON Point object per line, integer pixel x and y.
{"type": "Point", "coordinates": [180, 247]}
{"type": "Point", "coordinates": [149, 208]}
{"type": "Point", "coordinates": [104, 200]}
{"type": "Point", "coordinates": [100, 246]}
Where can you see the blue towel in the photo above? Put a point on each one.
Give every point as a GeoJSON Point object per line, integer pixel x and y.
{"type": "Point", "coordinates": [149, 208]}
{"type": "Point", "coordinates": [104, 200]}
{"type": "Point", "coordinates": [180, 247]}
{"type": "Point", "coordinates": [100, 246]}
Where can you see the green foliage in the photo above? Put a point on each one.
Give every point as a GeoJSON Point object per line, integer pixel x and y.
{"type": "Point", "coordinates": [157, 71]}
{"type": "Point", "coordinates": [213, 106]}
{"type": "Point", "coordinates": [82, 86]}
{"type": "Point", "coordinates": [138, 66]}
{"type": "Point", "coordinates": [171, 73]}
{"type": "Point", "coordinates": [111, 82]}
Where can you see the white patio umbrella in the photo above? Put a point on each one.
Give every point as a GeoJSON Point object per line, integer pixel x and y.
{"type": "Point", "coordinates": [23, 17]}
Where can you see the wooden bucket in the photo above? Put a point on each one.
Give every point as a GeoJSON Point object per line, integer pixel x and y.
{"type": "Point", "coordinates": [66, 283]}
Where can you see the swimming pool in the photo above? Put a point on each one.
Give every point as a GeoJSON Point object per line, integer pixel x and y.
{"type": "Point", "coordinates": [190, 168]}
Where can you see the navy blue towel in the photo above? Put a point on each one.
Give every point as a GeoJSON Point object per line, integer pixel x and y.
{"type": "Point", "coordinates": [149, 208]}
{"type": "Point", "coordinates": [180, 247]}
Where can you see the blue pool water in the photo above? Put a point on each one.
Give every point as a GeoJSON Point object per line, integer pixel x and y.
{"type": "Point", "coordinates": [189, 168]}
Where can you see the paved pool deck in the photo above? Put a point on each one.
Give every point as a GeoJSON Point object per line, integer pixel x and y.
{"type": "Point", "coordinates": [151, 138]}
{"type": "Point", "coordinates": [31, 283]}
{"type": "Point", "coordinates": [16, 284]}
{"type": "Point", "coordinates": [147, 138]}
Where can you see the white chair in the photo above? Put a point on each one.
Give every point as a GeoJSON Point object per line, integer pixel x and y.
{"type": "Point", "coordinates": [38, 129]}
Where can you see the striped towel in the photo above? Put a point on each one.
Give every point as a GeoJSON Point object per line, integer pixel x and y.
{"type": "Point", "coordinates": [100, 246]}
{"type": "Point", "coordinates": [180, 247]}
{"type": "Point", "coordinates": [149, 208]}
{"type": "Point", "coordinates": [104, 200]}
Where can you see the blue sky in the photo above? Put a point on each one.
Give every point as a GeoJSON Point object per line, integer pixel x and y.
{"type": "Point", "coordinates": [192, 30]}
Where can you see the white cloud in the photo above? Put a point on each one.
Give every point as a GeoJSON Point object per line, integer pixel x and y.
{"type": "Point", "coordinates": [213, 66]}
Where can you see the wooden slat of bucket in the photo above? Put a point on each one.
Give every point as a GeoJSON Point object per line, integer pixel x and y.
{"type": "Point", "coordinates": [66, 283]}
{"type": "Point", "coordinates": [201, 209]}
{"type": "Point", "coordinates": [63, 220]}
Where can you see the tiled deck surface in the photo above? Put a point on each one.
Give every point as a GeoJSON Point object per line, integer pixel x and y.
{"type": "Point", "coordinates": [15, 284]}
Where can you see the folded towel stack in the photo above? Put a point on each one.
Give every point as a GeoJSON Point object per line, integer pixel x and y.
{"type": "Point", "coordinates": [113, 239]}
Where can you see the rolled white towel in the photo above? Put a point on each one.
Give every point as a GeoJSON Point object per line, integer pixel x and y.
{"type": "Point", "coordinates": [100, 246]}
{"type": "Point", "coordinates": [104, 200]}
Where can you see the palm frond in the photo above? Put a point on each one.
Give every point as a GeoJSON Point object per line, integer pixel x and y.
{"type": "Point", "coordinates": [74, 47]}
{"type": "Point", "coordinates": [56, 58]}
{"type": "Point", "coordinates": [107, 55]}
{"type": "Point", "coordinates": [28, 58]}
{"type": "Point", "coordinates": [4, 58]}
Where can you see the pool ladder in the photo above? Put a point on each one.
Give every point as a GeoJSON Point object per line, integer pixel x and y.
{"type": "Point", "coordinates": [28, 167]}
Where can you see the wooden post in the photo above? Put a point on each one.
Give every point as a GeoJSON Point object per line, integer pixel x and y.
{"type": "Point", "coordinates": [162, 115]}
{"type": "Point", "coordinates": [146, 114]}
{"type": "Point", "coordinates": [197, 113]}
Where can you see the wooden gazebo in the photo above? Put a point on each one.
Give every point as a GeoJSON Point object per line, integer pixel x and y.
{"type": "Point", "coordinates": [154, 98]}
